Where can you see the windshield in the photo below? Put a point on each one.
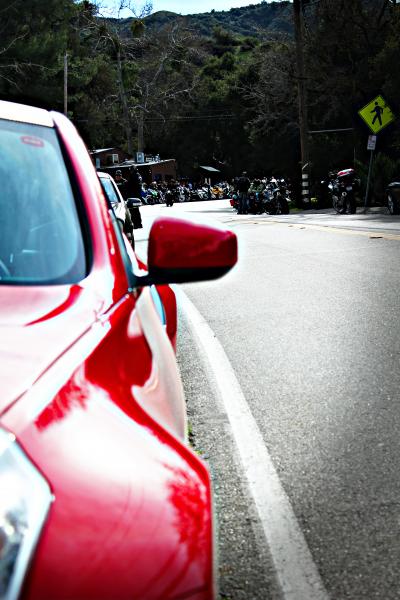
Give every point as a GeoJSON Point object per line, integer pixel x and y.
{"type": "Point", "coordinates": [40, 235]}
{"type": "Point", "coordinates": [109, 190]}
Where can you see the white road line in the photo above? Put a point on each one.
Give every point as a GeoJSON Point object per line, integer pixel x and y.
{"type": "Point", "coordinates": [296, 571]}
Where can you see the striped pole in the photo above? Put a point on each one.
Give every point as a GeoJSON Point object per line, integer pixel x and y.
{"type": "Point", "coordinates": [298, 21]}
{"type": "Point", "coordinates": [305, 188]}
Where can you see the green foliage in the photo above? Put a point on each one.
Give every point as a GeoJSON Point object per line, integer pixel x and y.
{"type": "Point", "coordinates": [384, 170]}
{"type": "Point", "coordinates": [137, 27]}
{"type": "Point", "coordinates": [223, 41]}
{"type": "Point", "coordinates": [245, 21]}
{"type": "Point", "coordinates": [33, 37]}
{"type": "Point", "coordinates": [352, 53]}
{"type": "Point", "coordinates": [217, 88]}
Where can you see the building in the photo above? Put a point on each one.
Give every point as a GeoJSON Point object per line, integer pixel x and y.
{"type": "Point", "coordinates": [150, 167]}
{"type": "Point", "coordinates": [160, 170]}
{"type": "Point", "coordinates": [106, 157]}
{"type": "Point", "coordinates": [209, 175]}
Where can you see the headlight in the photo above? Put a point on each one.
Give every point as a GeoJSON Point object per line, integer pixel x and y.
{"type": "Point", "coordinates": [24, 501]}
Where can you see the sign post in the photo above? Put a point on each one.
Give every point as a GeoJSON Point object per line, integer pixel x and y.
{"type": "Point", "coordinates": [371, 148]}
{"type": "Point", "coordinates": [377, 115]}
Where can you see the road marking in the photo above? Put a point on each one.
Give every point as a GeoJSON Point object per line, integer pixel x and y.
{"type": "Point", "coordinates": [331, 228]}
{"type": "Point", "coordinates": [296, 571]}
{"type": "Point", "coordinates": [346, 231]}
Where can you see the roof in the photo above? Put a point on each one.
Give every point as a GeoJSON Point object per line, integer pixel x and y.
{"type": "Point", "coordinates": [211, 169]}
{"type": "Point", "coordinates": [132, 163]}
{"type": "Point", "coordinates": [103, 150]}
{"type": "Point", "coordinates": [158, 162]}
{"type": "Point", "coordinates": [12, 111]}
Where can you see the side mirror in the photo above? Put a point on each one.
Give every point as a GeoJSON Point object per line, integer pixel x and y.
{"type": "Point", "coordinates": [133, 203]}
{"type": "Point", "coordinates": [182, 251]}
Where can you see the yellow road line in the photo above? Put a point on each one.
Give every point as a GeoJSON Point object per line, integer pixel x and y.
{"type": "Point", "coordinates": [370, 234]}
{"type": "Point", "coordinates": [341, 230]}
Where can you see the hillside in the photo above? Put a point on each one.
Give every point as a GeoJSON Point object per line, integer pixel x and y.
{"type": "Point", "coordinates": [275, 17]}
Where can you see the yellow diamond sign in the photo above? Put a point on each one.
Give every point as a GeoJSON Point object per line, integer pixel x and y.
{"type": "Point", "coordinates": [377, 114]}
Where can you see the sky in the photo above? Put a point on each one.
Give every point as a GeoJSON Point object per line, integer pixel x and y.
{"type": "Point", "coordinates": [185, 7]}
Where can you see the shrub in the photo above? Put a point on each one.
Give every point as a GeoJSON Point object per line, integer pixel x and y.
{"type": "Point", "coordinates": [384, 170]}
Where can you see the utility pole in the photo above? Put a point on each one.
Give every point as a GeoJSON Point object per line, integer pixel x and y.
{"type": "Point", "coordinates": [66, 83]}
{"type": "Point", "coordinates": [140, 143]}
{"type": "Point", "coordinates": [124, 102]}
{"type": "Point", "coordinates": [302, 95]}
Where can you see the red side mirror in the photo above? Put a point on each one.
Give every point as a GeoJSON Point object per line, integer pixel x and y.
{"type": "Point", "coordinates": [182, 250]}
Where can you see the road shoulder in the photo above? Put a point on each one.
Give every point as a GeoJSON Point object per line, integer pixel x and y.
{"type": "Point", "coordinates": [245, 568]}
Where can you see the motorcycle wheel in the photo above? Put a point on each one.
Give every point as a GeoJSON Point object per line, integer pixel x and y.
{"type": "Point", "coordinates": [335, 205]}
{"type": "Point", "coordinates": [352, 204]}
{"type": "Point", "coordinates": [392, 205]}
{"type": "Point", "coordinates": [285, 207]}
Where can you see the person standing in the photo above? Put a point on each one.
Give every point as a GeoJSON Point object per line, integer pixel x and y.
{"type": "Point", "coordinates": [133, 189]}
{"type": "Point", "coordinates": [243, 184]}
{"type": "Point", "coordinates": [120, 181]}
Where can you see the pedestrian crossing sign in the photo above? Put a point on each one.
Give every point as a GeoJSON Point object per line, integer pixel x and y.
{"type": "Point", "coordinates": [377, 114]}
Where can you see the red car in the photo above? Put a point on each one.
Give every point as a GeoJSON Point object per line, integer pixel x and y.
{"type": "Point", "coordinates": [101, 498]}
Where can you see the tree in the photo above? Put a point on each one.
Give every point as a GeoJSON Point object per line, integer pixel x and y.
{"type": "Point", "coordinates": [33, 34]}
{"type": "Point", "coordinates": [352, 53]}
{"type": "Point", "coordinates": [344, 39]}
{"type": "Point", "coordinates": [166, 75]}
{"type": "Point", "coordinates": [111, 39]}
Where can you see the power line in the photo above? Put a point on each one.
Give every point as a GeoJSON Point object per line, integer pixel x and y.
{"type": "Point", "coordinates": [177, 118]}
{"type": "Point", "coordinates": [332, 130]}
{"type": "Point", "coordinates": [192, 118]}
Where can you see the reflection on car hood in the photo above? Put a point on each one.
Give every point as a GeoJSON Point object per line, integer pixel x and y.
{"type": "Point", "coordinates": [36, 327]}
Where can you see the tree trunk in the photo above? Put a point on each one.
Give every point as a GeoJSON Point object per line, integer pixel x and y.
{"type": "Point", "coordinates": [66, 83]}
{"type": "Point", "coordinates": [124, 102]}
{"type": "Point", "coordinates": [140, 143]}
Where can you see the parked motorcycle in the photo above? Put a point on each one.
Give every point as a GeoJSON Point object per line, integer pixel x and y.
{"type": "Point", "coordinates": [202, 193]}
{"type": "Point", "coordinates": [227, 190]}
{"type": "Point", "coordinates": [169, 198]}
{"type": "Point", "coordinates": [276, 200]}
{"type": "Point", "coordinates": [185, 192]}
{"type": "Point", "coordinates": [255, 203]}
{"type": "Point", "coordinates": [393, 197]}
{"type": "Point", "coordinates": [343, 191]}
{"type": "Point", "coordinates": [217, 192]}
{"type": "Point", "coordinates": [284, 196]}
{"type": "Point", "coordinates": [234, 202]}
{"type": "Point", "coordinates": [271, 197]}
{"type": "Point", "coordinates": [153, 196]}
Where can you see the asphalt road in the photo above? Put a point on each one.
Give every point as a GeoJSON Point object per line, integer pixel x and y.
{"type": "Point", "coordinates": [309, 324]}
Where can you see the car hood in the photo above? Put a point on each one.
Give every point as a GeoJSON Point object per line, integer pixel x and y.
{"type": "Point", "coordinates": [36, 327]}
